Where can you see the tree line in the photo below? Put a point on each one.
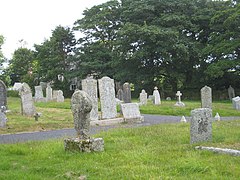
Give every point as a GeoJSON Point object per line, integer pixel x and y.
{"type": "Point", "coordinates": [172, 44]}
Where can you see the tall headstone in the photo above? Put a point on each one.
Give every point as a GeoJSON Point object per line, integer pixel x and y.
{"type": "Point", "coordinates": [179, 102]}
{"type": "Point", "coordinates": [89, 85]}
{"type": "Point", "coordinates": [27, 104]}
{"type": "Point", "coordinates": [120, 94]}
{"type": "Point", "coordinates": [3, 94]}
{"type": "Point", "coordinates": [60, 97]}
{"type": "Point", "coordinates": [107, 98]}
{"type": "Point", "coordinates": [143, 97]}
{"type": "Point", "coordinates": [49, 93]}
{"type": "Point", "coordinates": [126, 93]}
{"type": "Point", "coordinates": [54, 95]}
{"type": "Point", "coordinates": [236, 102]}
{"type": "Point", "coordinates": [81, 105]}
{"type": "Point", "coordinates": [201, 125]}
{"type": "Point", "coordinates": [156, 96]}
{"type": "Point", "coordinates": [206, 97]}
{"type": "Point", "coordinates": [39, 94]}
{"type": "Point", "coordinates": [231, 92]}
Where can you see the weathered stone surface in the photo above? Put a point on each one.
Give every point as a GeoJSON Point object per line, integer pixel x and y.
{"type": "Point", "coordinates": [90, 87]}
{"type": "Point", "coordinates": [49, 93]}
{"type": "Point", "coordinates": [231, 92]}
{"type": "Point", "coordinates": [126, 93]}
{"type": "Point", "coordinates": [60, 97]}
{"type": "Point", "coordinates": [81, 105]}
{"type": "Point", "coordinates": [54, 95]}
{"type": "Point", "coordinates": [3, 119]}
{"type": "Point", "coordinates": [206, 97]}
{"type": "Point", "coordinates": [107, 98]}
{"type": "Point", "coordinates": [156, 97]}
{"type": "Point", "coordinates": [17, 86]}
{"type": "Point", "coordinates": [3, 94]}
{"type": "Point", "coordinates": [236, 102]}
{"type": "Point", "coordinates": [168, 98]}
{"type": "Point", "coordinates": [131, 112]}
{"type": "Point", "coordinates": [220, 150]}
{"type": "Point", "coordinates": [143, 97]}
{"type": "Point", "coordinates": [120, 94]}
{"type": "Point", "coordinates": [179, 102]}
{"type": "Point", "coordinates": [84, 145]}
{"type": "Point", "coordinates": [39, 94]}
{"type": "Point", "coordinates": [201, 125]}
{"type": "Point", "coordinates": [27, 104]}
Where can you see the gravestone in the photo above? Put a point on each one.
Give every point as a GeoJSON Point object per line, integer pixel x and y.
{"type": "Point", "coordinates": [3, 94]}
{"type": "Point", "coordinates": [27, 105]}
{"type": "Point", "coordinates": [179, 102]}
{"type": "Point", "coordinates": [49, 93]}
{"type": "Point", "coordinates": [89, 85]}
{"type": "Point", "coordinates": [201, 125]}
{"type": "Point", "coordinates": [156, 96]}
{"type": "Point", "coordinates": [60, 97]}
{"type": "Point", "coordinates": [143, 97]}
{"type": "Point", "coordinates": [81, 105]}
{"type": "Point", "coordinates": [107, 98]}
{"type": "Point", "coordinates": [131, 112]}
{"type": "Point", "coordinates": [120, 94]}
{"type": "Point", "coordinates": [206, 97]}
{"type": "Point", "coordinates": [231, 92]}
{"type": "Point", "coordinates": [39, 94]}
{"type": "Point", "coordinates": [126, 93]}
{"type": "Point", "coordinates": [236, 102]}
{"type": "Point", "coordinates": [43, 85]}
{"type": "Point", "coordinates": [17, 86]}
{"type": "Point", "coordinates": [54, 95]}
{"type": "Point", "coordinates": [3, 117]}
{"type": "Point", "coordinates": [168, 98]}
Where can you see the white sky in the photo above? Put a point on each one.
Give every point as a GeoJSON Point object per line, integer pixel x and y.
{"type": "Point", "coordinates": [34, 20]}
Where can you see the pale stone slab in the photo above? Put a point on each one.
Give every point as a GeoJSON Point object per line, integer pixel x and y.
{"type": "Point", "coordinates": [3, 119]}
{"type": "Point", "coordinates": [206, 97]}
{"type": "Point", "coordinates": [27, 103]}
{"type": "Point", "coordinates": [120, 94]}
{"type": "Point", "coordinates": [201, 125]}
{"type": "Point", "coordinates": [231, 92]}
{"type": "Point", "coordinates": [49, 93]}
{"type": "Point", "coordinates": [236, 102]}
{"type": "Point", "coordinates": [39, 94]}
{"type": "Point", "coordinates": [107, 98]}
{"type": "Point", "coordinates": [3, 94]}
{"type": "Point", "coordinates": [232, 152]}
{"type": "Point", "coordinates": [143, 97]}
{"type": "Point", "coordinates": [90, 87]}
{"type": "Point", "coordinates": [131, 112]}
{"type": "Point", "coordinates": [17, 86]}
{"type": "Point", "coordinates": [156, 97]}
{"type": "Point", "coordinates": [126, 93]}
{"type": "Point", "coordinates": [60, 97]}
{"type": "Point", "coordinates": [54, 95]}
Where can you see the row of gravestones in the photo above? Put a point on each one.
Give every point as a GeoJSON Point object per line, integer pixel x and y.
{"type": "Point", "coordinates": [51, 95]}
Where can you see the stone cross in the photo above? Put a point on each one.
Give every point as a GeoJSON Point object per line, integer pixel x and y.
{"type": "Point", "coordinates": [206, 97]}
{"type": "Point", "coordinates": [179, 94]}
{"type": "Point", "coordinates": [81, 105]}
{"type": "Point", "coordinates": [201, 125]}
{"type": "Point", "coordinates": [3, 94]}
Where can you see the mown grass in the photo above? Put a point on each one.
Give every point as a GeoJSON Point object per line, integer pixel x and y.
{"type": "Point", "coordinates": [157, 152]}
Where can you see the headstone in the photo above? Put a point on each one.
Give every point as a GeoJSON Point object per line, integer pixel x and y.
{"type": "Point", "coordinates": [43, 85]}
{"type": "Point", "coordinates": [60, 97]}
{"type": "Point", "coordinates": [89, 85]}
{"type": "Point", "coordinates": [179, 102]}
{"type": "Point", "coordinates": [3, 117]}
{"type": "Point", "coordinates": [126, 93]}
{"type": "Point", "coordinates": [217, 117]}
{"type": "Point", "coordinates": [17, 86]}
{"type": "Point", "coordinates": [131, 112]}
{"type": "Point", "coordinates": [206, 97]}
{"type": "Point", "coordinates": [3, 94]}
{"type": "Point", "coordinates": [201, 125]}
{"type": "Point", "coordinates": [143, 97]}
{"type": "Point", "coordinates": [54, 95]}
{"type": "Point", "coordinates": [231, 92]}
{"type": "Point", "coordinates": [156, 96]}
{"type": "Point", "coordinates": [183, 119]}
{"type": "Point", "coordinates": [81, 105]}
{"type": "Point", "coordinates": [120, 94]}
{"type": "Point", "coordinates": [27, 104]}
{"type": "Point", "coordinates": [168, 98]}
{"type": "Point", "coordinates": [39, 94]}
{"type": "Point", "coordinates": [49, 93]}
{"type": "Point", "coordinates": [107, 98]}
{"type": "Point", "coordinates": [236, 102]}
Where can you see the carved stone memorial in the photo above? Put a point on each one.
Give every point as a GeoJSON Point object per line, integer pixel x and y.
{"type": "Point", "coordinates": [206, 97]}
{"type": "Point", "coordinates": [3, 94]}
{"type": "Point", "coordinates": [126, 93]}
{"type": "Point", "coordinates": [143, 97]}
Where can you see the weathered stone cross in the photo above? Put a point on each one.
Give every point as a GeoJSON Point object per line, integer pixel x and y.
{"type": "Point", "coordinates": [179, 94]}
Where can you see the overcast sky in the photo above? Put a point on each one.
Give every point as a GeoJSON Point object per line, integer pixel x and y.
{"type": "Point", "coordinates": [34, 20]}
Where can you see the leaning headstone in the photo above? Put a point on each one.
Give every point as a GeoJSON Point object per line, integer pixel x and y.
{"type": "Point", "coordinates": [156, 96]}
{"type": "Point", "coordinates": [126, 93]}
{"type": "Point", "coordinates": [236, 102]}
{"type": "Point", "coordinates": [39, 94]}
{"type": "Point", "coordinates": [201, 125]}
{"type": "Point", "coordinates": [81, 105]}
{"type": "Point", "coordinates": [143, 97]}
{"type": "Point", "coordinates": [49, 93]}
{"type": "Point", "coordinates": [120, 94]}
{"type": "Point", "coordinates": [89, 85]}
{"type": "Point", "coordinates": [60, 97]}
{"type": "Point", "coordinates": [3, 94]}
{"type": "Point", "coordinates": [107, 98]}
{"type": "Point", "coordinates": [231, 92]}
{"type": "Point", "coordinates": [131, 112]}
{"type": "Point", "coordinates": [27, 104]}
{"type": "Point", "coordinates": [179, 102]}
{"type": "Point", "coordinates": [206, 97]}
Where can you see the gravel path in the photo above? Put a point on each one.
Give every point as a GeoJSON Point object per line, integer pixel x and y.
{"type": "Point", "coordinates": [43, 135]}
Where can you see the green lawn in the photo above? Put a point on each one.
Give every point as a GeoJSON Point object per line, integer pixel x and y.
{"type": "Point", "coordinates": [157, 152]}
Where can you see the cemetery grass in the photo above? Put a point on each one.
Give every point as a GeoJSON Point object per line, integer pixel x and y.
{"type": "Point", "coordinates": [154, 152]}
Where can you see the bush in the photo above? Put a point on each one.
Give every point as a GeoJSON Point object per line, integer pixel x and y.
{"type": "Point", "coordinates": [12, 93]}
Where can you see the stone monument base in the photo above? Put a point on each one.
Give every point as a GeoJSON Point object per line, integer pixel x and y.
{"type": "Point", "coordinates": [84, 145]}
{"type": "Point", "coordinates": [179, 104]}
